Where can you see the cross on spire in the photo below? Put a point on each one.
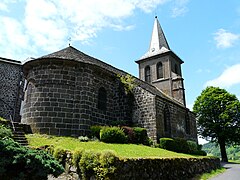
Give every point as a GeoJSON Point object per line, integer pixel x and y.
{"type": "Point", "coordinates": [69, 41]}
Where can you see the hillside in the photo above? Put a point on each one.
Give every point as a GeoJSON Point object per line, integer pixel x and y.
{"type": "Point", "coordinates": [233, 152]}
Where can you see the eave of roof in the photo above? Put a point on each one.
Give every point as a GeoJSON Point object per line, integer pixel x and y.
{"type": "Point", "coordinates": [11, 61]}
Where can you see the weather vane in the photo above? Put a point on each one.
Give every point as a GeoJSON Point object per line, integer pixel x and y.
{"type": "Point", "coordinates": [69, 41]}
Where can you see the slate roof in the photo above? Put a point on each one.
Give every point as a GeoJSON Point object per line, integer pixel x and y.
{"type": "Point", "coordinates": [71, 53]}
{"type": "Point", "coordinates": [158, 43]}
{"type": "Point", "coordinates": [11, 61]}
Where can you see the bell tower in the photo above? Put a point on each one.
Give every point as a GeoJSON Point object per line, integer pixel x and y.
{"type": "Point", "coordinates": [161, 67]}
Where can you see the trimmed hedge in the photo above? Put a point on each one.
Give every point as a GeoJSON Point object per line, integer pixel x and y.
{"type": "Point", "coordinates": [135, 135]}
{"type": "Point", "coordinates": [181, 146]}
{"type": "Point", "coordinates": [141, 136]}
{"type": "Point", "coordinates": [113, 135]}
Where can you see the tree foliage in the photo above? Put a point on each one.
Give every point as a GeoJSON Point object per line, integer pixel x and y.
{"type": "Point", "coordinates": [19, 162]}
{"type": "Point", "coordinates": [217, 113]}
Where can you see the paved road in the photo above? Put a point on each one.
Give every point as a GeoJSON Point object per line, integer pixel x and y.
{"type": "Point", "coordinates": [232, 172]}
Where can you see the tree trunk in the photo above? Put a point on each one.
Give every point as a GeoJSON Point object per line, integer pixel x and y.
{"type": "Point", "coordinates": [221, 142]}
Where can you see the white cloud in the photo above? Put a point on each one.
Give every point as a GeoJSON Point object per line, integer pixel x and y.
{"type": "Point", "coordinates": [229, 77]}
{"type": "Point", "coordinates": [12, 38]}
{"type": "Point", "coordinates": [180, 8]}
{"type": "Point", "coordinates": [3, 6]}
{"type": "Point", "coordinates": [225, 39]}
{"type": "Point", "coordinates": [47, 24]}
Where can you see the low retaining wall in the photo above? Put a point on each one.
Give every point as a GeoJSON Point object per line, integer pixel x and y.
{"type": "Point", "coordinates": [177, 168]}
{"type": "Point", "coordinates": [154, 169]}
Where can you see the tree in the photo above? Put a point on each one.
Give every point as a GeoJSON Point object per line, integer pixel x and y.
{"type": "Point", "coordinates": [217, 113]}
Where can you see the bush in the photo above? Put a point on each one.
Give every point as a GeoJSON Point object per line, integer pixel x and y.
{"type": "Point", "coordinates": [19, 163]}
{"type": "Point", "coordinates": [192, 146]}
{"type": "Point", "coordinates": [181, 145]}
{"type": "Point", "coordinates": [140, 135]}
{"type": "Point", "coordinates": [199, 152]}
{"type": "Point", "coordinates": [167, 143]}
{"type": "Point", "coordinates": [77, 155]}
{"type": "Point", "coordinates": [97, 165]}
{"type": "Point", "coordinates": [112, 135]}
{"type": "Point", "coordinates": [88, 162]}
{"type": "Point", "coordinates": [60, 155]}
{"type": "Point", "coordinates": [107, 160]}
{"type": "Point", "coordinates": [5, 132]}
{"type": "Point", "coordinates": [95, 131]}
{"type": "Point", "coordinates": [4, 122]}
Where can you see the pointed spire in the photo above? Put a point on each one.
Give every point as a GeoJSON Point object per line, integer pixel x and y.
{"type": "Point", "coordinates": [158, 39]}
{"type": "Point", "coordinates": [158, 42]}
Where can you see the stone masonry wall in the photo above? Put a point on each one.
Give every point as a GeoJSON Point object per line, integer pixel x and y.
{"type": "Point", "coordinates": [178, 121]}
{"type": "Point", "coordinates": [62, 97]}
{"type": "Point", "coordinates": [144, 111]}
{"type": "Point", "coordinates": [11, 88]}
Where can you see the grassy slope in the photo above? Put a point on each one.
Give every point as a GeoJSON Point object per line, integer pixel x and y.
{"type": "Point", "coordinates": [122, 150]}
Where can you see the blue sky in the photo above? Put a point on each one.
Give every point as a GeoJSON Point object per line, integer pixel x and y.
{"type": "Point", "coordinates": [204, 34]}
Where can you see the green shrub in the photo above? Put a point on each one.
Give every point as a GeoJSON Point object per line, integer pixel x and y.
{"type": "Point", "coordinates": [192, 146]}
{"type": "Point", "coordinates": [77, 155]}
{"type": "Point", "coordinates": [199, 152]}
{"type": "Point", "coordinates": [140, 135]}
{"type": "Point", "coordinates": [95, 131]}
{"type": "Point", "coordinates": [18, 162]}
{"type": "Point", "coordinates": [167, 143]}
{"type": "Point", "coordinates": [5, 132]}
{"type": "Point", "coordinates": [88, 162]}
{"type": "Point", "coordinates": [60, 155]}
{"type": "Point", "coordinates": [112, 135]}
{"type": "Point", "coordinates": [181, 145]}
{"type": "Point", "coordinates": [4, 122]}
{"type": "Point", "coordinates": [98, 165]}
{"type": "Point", "coordinates": [107, 160]}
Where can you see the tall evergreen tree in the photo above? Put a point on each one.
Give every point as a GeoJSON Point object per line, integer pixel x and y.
{"type": "Point", "coordinates": [218, 117]}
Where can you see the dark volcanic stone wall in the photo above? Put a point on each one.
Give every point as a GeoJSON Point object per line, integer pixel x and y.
{"type": "Point", "coordinates": [180, 118]}
{"type": "Point", "coordinates": [11, 88]}
{"type": "Point", "coordinates": [144, 111]}
{"type": "Point", "coordinates": [62, 97]}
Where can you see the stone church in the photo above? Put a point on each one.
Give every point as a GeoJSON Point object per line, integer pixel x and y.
{"type": "Point", "coordinates": [68, 91]}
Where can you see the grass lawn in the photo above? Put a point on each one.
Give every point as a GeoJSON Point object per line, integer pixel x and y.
{"type": "Point", "coordinates": [122, 150]}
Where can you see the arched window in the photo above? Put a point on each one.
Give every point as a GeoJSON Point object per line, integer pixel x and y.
{"type": "Point", "coordinates": [176, 69]}
{"type": "Point", "coordinates": [29, 92]}
{"type": "Point", "coordinates": [187, 123]}
{"type": "Point", "coordinates": [167, 123]}
{"type": "Point", "coordinates": [159, 70]}
{"type": "Point", "coordinates": [102, 99]}
{"type": "Point", "coordinates": [147, 74]}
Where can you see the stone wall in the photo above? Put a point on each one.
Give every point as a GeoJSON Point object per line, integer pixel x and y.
{"type": "Point", "coordinates": [62, 97]}
{"type": "Point", "coordinates": [11, 88]}
{"type": "Point", "coordinates": [180, 118]}
{"type": "Point", "coordinates": [138, 168]}
{"type": "Point", "coordinates": [167, 169]}
{"type": "Point", "coordinates": [144, 111]}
